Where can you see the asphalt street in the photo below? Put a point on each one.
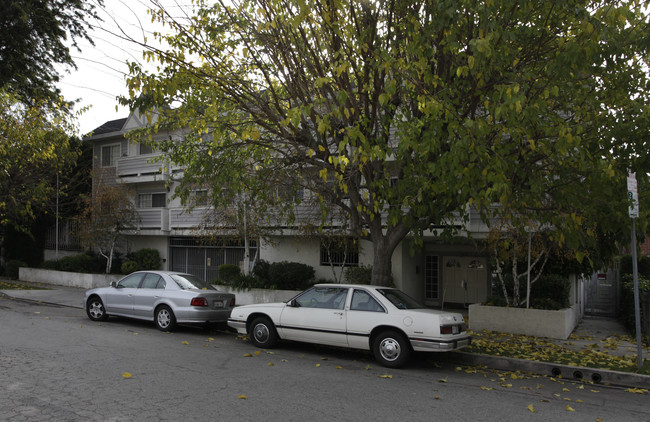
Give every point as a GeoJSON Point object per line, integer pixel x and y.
{"type": "Point", "coordinates": [55, 364]}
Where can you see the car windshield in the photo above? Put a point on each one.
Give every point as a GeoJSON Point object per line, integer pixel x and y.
{"type": "Point", "coordinates": [188, 281]}
{"type": "Point", "coordinates": [400, 299]}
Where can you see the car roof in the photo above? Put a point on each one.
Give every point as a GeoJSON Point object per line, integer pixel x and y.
{"type": "Point", "coordinates": [346, 285]}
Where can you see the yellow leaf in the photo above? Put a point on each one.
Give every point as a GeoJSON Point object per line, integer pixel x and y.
{"type": "Point", "coordinates": [385, 376]}
{"type": "Point", "coordinates": [565, 389]}
{"type": "Point", "coordinates": [569, 408]}
{"type": "Point", "coordinates": [186, 342]}
{"type": "Point", "coordinates": [367, 367]}
{"type": "Point", "coordinates": [442, 380]}
{"type": "Point", "coordinates": [257, 353]}
{"type": "Point", "coordinates": [636, 390]}
{"type": "Point", "coordinates": [487, 388]}
{"type": "Point", "coordinates": [243, 397]}
{"type": "Point", "coordinates": [127, 375]}
{"type": "Point", "coordinates": [531, 408]}
{"type": "Point", "coordinates": [339, 367]}
{"type": "Point", "coordinates": [271, 364]}
{"type": "Point", "coordinates": [437, 397]}
{"type": "Point", "coordinates": [317, 365]}
{"type": "Point", "coordinates": [247, 355]}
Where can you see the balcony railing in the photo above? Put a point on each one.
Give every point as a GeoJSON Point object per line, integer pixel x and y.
{"type": "Point", "coordinates": [140, 168]}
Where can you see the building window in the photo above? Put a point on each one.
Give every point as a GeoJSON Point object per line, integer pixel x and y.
{"type": "Point", "coordinates": [431, 277]}
{"type": "Point", "coordinates": [145, 149]}
{"type": "Point", "coordinates": [152, 200]}
{"type": "Point", "coordinates": [110, 154]}
{"type": "Point", "coordinates": [339, 252]}
{"type": "Point", "coordinates": [200, 198]}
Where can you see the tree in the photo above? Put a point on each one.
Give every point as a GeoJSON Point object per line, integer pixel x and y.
{"type": "Point", "coordinates": [33, 39]}
{"type": "Point", "coordinates": [400, 114]}
{"type": "Point", "coordinates": [108, 215]}
{"type": "Point", "coordinates": [33, 150]}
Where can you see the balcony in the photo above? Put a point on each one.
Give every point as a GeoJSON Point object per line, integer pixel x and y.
{"type": "Point", "coordinates": [142, 168]}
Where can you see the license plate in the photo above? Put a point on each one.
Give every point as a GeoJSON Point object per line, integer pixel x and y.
{"type": "Point", "coordinates": [454, 329]}
{"type": "Point", "coordinates": [218, 304]}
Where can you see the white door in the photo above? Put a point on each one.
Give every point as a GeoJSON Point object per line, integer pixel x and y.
{"type": "Point", "coordinates": [317, 317]}
{"type": "Point", "coordinates": [464, 279]}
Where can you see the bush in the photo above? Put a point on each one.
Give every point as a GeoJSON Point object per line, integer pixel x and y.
{"type": "Point", "coordinates": [643, 266]}
{"type": "Point", "coordinates": [49, 265]}
{"type": "Point", "coordinates": [246, 282]}
{"type": "Point", "coordinates": [261, 270]}
{"type": "Point", "coordinates": [11, 269]}
{"type": "Point", "coordinates": [147, 259]}
{"type": "Point", "coordinates": [228, 272]}
{"type": "Point", "coordinates": [359, 275]}
{"type": "Point", "coordinates": [291, 275]}
{"type": "Point", "coordinates": [550, 292]}
{"type": "Point", "coordinates": [81, 263]}
{"type": "Point", "coordinates": [128, 267]}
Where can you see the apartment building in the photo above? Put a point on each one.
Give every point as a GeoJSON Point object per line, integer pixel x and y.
{"type": "Point", "coordinates": [438, 272]}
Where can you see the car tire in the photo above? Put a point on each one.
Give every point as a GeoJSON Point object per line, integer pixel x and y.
{"type": "Point", "coordinates": [391, 349]}
{"type": "Point", "coordinates": [262, 333]}
{"type": "Point", "coordinates": [164, 318]}
{"type": "Point", "coordinates": [95, 309]}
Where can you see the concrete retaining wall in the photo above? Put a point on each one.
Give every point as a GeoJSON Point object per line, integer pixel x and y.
{"type": "Point", "coordinates": [533, 322]}
{"type": "Point", "coordinates": [64, 278]}
{"type": "Point", "coordinates": [90, 281]}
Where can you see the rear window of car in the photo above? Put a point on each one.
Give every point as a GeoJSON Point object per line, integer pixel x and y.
{"type": "Point", "coordinates": [188, 281]}
{"type": "Point", "coordinates": [400, 299]}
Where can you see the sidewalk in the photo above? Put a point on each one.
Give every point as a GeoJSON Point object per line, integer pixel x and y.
{"type": "Point", "coordinates": [606, 335]}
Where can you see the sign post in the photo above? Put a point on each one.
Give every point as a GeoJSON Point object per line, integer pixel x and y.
{"type": "Point", "coordinates": [632, 194]}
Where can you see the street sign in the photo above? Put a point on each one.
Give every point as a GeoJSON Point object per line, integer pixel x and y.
{"type": "Point", "coordinates": [633, 195]}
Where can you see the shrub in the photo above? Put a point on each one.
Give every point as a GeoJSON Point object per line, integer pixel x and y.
{"type": "Point", "coordinates": [242, 281]}
{"type": "Point", "coordinates": [359, 275]}
{"type": "Point", "coordinates": [291, 275]}
{"type": "Point", "coordinates": [49, 265]}
{"type": "Point", "coordinates": [228, 272]}
{"type": "Point", "coordinates": [11, 268]}
{"type": "Point", "coordinates": [128, 267]}
{"type": "Point", "coordinates": [147, 259]}
{"type": "Point", "coordinates": [261, 270]}
{"type": "Point", "coordinates": [81, 263]}
{"type": "Point", "coordinates": [550, 292]}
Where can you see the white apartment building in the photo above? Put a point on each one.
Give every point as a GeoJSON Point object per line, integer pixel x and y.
{"type": "Point", "coordinates": [439, 273]}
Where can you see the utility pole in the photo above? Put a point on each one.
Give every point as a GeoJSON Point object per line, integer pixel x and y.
{"type": "Point", "coordinates": [633, 196]}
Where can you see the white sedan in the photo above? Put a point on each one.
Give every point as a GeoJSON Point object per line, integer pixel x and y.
{"type": "Point", "coordinates": [381, 319]}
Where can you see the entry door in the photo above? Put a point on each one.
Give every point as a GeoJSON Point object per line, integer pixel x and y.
{"type": "Point", "coordinates": [602, 294]}
{"type": "Point", "coordinates": [464, 279]}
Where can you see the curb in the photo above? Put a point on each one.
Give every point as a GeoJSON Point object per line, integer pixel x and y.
{"type": "Point", "coordinates": [594, 375]}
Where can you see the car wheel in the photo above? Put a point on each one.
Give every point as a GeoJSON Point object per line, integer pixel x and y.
{"type": "Point", "coordinates": [95, 309]}
{"type": "Point", "coordinates": [262, 333]}
{"type": "Point", "coordinates": [165, 319]}
{"type": "Point", "coordinates": [391, 349]}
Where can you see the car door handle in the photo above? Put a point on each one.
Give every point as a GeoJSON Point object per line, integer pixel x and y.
{"type": "Point", "coordinates": [338, 313]}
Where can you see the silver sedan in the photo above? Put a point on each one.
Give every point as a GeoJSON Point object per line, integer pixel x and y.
{"type": "Point", "coordinates": [165, 297]}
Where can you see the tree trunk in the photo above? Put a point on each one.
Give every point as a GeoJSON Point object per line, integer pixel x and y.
{"type": "Point", "coordinates": [383, 247]}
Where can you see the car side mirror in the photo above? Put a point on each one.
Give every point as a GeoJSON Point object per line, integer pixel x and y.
{"type": "Point", "coordinates": [292, 303]}
{"type": "Point", "coordinates": [113, 283]}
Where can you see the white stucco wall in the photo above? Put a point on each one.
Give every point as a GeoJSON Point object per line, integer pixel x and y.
{"type": "Point", "coordinates": [307, 251]}
{"type": "Point", "coordinates": [152, 242]}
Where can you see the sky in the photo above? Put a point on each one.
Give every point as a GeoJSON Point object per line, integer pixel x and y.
{"type": "Point", "coordinates": [102, 69]}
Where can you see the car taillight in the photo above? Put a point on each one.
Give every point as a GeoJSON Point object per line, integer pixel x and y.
{"type": "Point", "coordinates": [232, 302]}
{"type": "Point", "coordinates": [453, 329]}
{"type": "Point", "coordinates": [199, 301]}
